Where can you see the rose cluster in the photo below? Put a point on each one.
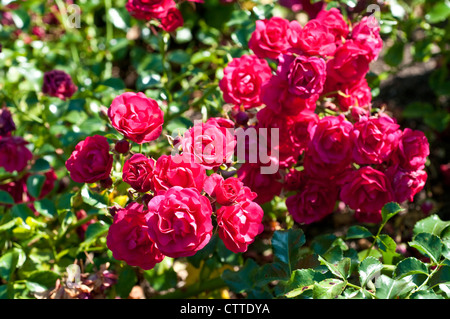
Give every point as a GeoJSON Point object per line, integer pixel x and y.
{"type": "Point", "coordinates": [164, 11]}
{"type": "Point", "coordinates": [176, 200]}
{"type": "Point", "coordinates": [16, 157]}
{"type": "Point", "coordinates": [332, 146]}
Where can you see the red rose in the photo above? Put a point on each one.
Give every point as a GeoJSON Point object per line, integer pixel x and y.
{"type": "Point", "coordinates": [173, 20]}
{"type": "Point", "coordinates": [313, 202]}
{"type": "Point", "coordinates": [14, 155]}
{"type": "Point", "coordinates": [367, 34]}
{"type": "Point", "coordinates": [406, 183]}
{"type": "Point", "coordinates": [242, 80]}
{"type": "Point", "coordinates": [300, 129]}
{"type": "Point", "coordinates": [149, 9]}
{"type": "Point", "coordinates": [350, 63]}
{"type": "Point", "coordinates": [330, 148]}
{"type": "Point", "coordinates": [59, 84]}
{"type": "Point", "coordinates": [266, 186]}
{"type": "Point", "coordinates": [90, 161]}
{"type": "Point", "coordinates": [413, 150]}
{"type": "Point", "coordinates": [312, 9]}
{"type": "Point", "coordinates": [367, 190]}
{"type": "Point", "coordinates": [227, 191]}
{"type": "Point", "coordinates": [138, 172]}
{"type": "Point", "coordinates": [335, 23]}
{"type": "Point", "coordinates": [177, 170]}
{"type": "Point", "coordinates": [270, 38]}
{"type": "Point", "coordinates": [275, 94]}
{"type": "Point", "coordinates": [128, 238]}
{"type": "Point", "coordinates": [137, 117]}
{"type": "Point", "coordinates": [305, 75]}
{"type": "Point", "coordinates": [209, 145]}
{"type": "Point", "coordinates": [358, 94]}
{"type": "Point", "coordinates": [238, 225]}
{"type": "Point", "coordinates": [315, 39]}
{"type": "Point", "coordinates": [179, 222]}
{"type": "Point", "coordinates": [374, 139]}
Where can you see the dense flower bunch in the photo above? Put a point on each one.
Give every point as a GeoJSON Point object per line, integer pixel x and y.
{"type": "Point", "coordinates": [355, 155]}
{"type": "Point", "coordinates": [166, 12]}
{"type": "Point", "coordinates": [177, 200]}
{"type": "Point", "coordinates": [16, 157]}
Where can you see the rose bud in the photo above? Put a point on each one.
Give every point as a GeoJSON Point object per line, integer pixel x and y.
{"type": "Point", "coordinates": [59, 84]}
{"type": "Point", "coordinates": [122, 146]}
{"type": "Point", "coordinates": [7, 124]}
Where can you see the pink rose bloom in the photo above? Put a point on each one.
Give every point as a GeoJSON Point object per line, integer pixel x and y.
{"type": "Point", "coordinates": [138, 172]}
{"type": "Point", "coordinates": [266, 186]}
{"type": "Point", "coordinates": [305, 75]}
{"type": "Point", "coordinates": [358, 95]}
{"type": "Point", "coordinates": [149, 9]}
{"type": "Point", "coordinates": [128, 238]}
{"type": "Point", "coordinates": [179, 222]}
{"type": "Point", "coordinates": [413, 150]}
{"type": "Point", "coordinates": [313, 202]}
{"type": "Point", "coordinates": [59, 84]}
{"type": "Point", "coordinates": [335, 23]}
{"type": "Point", "coordinates": [238, 225]}
{"type": "Point", "coordinates": [300, 129]}
{"type": "Point", "coordinates": [275, 94]}
{"type": "Point", "coordinates": [350, 63]}
{"type": "Point", "coordinates": [330, 148]}
{"type": "Point", "coordinates": [227, 191]}
{"type": "Point", "coordinates": [242, 81]}
{"type": "Point", "coordinates": [173, 20]}
{"type": "Point", "coordinates": [209, 145]}
{"type": "Point", "coordinates": [293, 180]}
{"type": "Point", "coordinates": [270, 38]}
{"type": "Point", "coordinates": [220, 122]}
{"type": "Point", "coordinates": [137, 117]}
{"type": "Point", "coordinates": [368, 36]}
{"type": "Point", "coordinates": [315, 39]}
{"type": "Point", "coordinates": [406, 184]}
{"type": "Point", "coordinates": [374, 139]}
{"type": "Point", "coordinates": [91, 160]}
{"type": "Point", "coordinates": [177, 170]}
{"type": "Point", "coordinates": [367, 191]}
{"type": "Point", "coordinates": [14, 153]}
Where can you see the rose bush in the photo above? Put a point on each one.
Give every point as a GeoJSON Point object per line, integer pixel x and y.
{"type": "Point", "coordinates": [130, 167]}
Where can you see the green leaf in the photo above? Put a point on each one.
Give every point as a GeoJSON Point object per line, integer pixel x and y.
{"type": "Point", "coordinates": [41, 165]}
{"type": "Point", "coordinates": [431, 224]}
{"type": "Point", "coordinates": [95, 230]}
{"type": "Point", "coordinates": [243, 279]}
{"type": "Point", "coordinates": [286, 247]}
{"type": "Point", "coordinates": [328, 289]}
{"type": "Point", "coordinates": [162, 276]}
{"type": "Point", "coordinates": [388, 288]}
{"type": "Point", "coordinates": [34, 286]}
{"type": "Point", "coordinates": [390, 210]}
{"type": "Point", "coordinates": [46, 278]}
{"type": "Point", "coordinates": [119, 18]}
{"type": "Point", "coordinates": [417, 109]}
{"type": "Point", "coordinates": [300, 281]}
{"type": "Point", "coordinates": [92, 198]}
{"type": "Point", "coordinates": [9, 261]}
{"type": "Point", "coordinates": [368, 269]}
{"type": "Point", "coordinates": [429, 245]}
{"type": "Point", "coordinates": [271, 272]}
{"type": "Point", "coordinates": [5, 198]}
{"type": "Point", "coordinates": [394, 54]}
{"type": "Point", "coordinates": [340, 269]}
{"type": "Point", "coordinates": [34, 185]}
{"type": "Point", "coordinates": [387, 247]}
{"type": "Point", "coordinates": [46, 207]}
{"type": "Point", "coordinates": [426, 294]}
{"type": "Point", "coordinates": [410, 266]}
{"type": "Point", "coordinates": [356, 232]}
{"type": "Point", "coordinates": [125, 282]}
{"type": "Point", "coordinates": [439, 12]}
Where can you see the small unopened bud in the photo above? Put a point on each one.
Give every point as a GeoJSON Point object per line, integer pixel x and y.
{"type": "Point", "coordinates": [6, 122]}
{"type": "Point", "coordinates": [122, 147]}
{"type": "Point", "coordinates": [106, 183]}
{"type": "Point", "coordinates": [241, 118]}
